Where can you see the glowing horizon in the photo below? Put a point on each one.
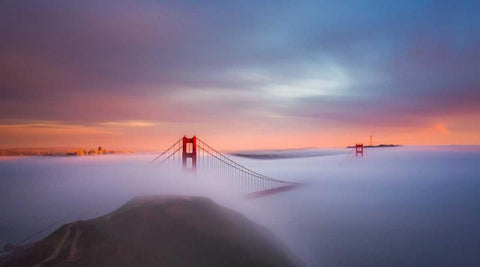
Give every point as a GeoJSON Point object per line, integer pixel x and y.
{"type": "Point", "coordinates": [140, 74]}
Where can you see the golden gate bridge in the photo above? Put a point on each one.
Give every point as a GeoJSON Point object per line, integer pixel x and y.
{"type": "Point", "coordinates": [195, 156]}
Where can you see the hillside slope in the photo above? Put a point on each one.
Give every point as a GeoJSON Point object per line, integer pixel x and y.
{"type": "Point", "coordinates": [159, 231]}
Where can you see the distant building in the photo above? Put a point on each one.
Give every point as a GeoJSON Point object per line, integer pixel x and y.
{"type": "Point", "coordinates": [98, 151]}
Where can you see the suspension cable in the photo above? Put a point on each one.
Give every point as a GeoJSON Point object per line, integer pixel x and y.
{"type": "Point", "coordinates": [245, 170]}
{"type": "Point", "coordinates": [164, 151]}
{"type": "Point", "coordinates": [173, 153]}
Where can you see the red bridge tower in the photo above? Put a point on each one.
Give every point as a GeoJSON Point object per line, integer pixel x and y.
{"type": "Point", "coordinates": [358, 149]}
{"type": "Point", "coordinates": [189, 154]}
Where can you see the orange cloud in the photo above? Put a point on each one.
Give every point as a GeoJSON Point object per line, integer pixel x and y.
{"type": "Point", "coordinates": [128, 124]}
{"type": "Point", "coordinates": [441, 128]}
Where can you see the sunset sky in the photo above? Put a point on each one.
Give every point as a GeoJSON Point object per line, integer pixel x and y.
{"type": "Point", "coordinates": [241, 75]}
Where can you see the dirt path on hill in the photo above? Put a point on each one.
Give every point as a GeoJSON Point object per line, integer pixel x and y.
{"type": "Point", "coordinates": [57, 249]}
{"type": "Point", "coordinates": [73, 248]}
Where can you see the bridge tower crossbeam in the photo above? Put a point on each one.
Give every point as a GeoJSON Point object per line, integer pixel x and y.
{"type": "Point", "coordinates": [359, 148]}
{"type": "Point", "coordinates": [189, 153]}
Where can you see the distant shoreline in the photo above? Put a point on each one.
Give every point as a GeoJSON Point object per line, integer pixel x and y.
{"type": "Point", "coordinates": [60, 152]}
{"type": "Point", "coordinates": [288, 153]}
{"type": "Point", "coordinates": [377, 146]}
{"type": "Point", "coordinates": [63, 155]}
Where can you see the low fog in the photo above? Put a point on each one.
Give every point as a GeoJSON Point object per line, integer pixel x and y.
{"type": "Point", "coordinates": [392, 207]}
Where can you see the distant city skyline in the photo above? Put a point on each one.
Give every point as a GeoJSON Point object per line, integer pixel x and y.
{"type": "Point", "coordinates": [241, 75]}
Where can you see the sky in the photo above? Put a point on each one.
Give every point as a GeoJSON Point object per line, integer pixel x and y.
{"type": "Point", "coordinates": [239, 74]}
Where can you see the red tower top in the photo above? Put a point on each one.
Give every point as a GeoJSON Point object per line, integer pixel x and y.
{"type": "Point", "coordinates": [358, 149]}
{"type": "Point", "coordinates": [189, 154]}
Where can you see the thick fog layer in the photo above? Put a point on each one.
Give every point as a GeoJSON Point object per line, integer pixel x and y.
{"type": "Point", "coordinates": [392, 207]}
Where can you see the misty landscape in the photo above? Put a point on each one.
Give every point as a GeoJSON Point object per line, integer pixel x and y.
{"type": "Point", "coordinates": [239, 133]}
{"type": "Point", "coordinates": [393, 207]}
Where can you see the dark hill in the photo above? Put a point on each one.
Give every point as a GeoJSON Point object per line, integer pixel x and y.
{"type": "Point", "coordinates": [159, 231]}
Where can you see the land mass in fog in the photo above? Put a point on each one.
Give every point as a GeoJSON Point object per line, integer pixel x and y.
{"type": "Point", "coordinates": [59, 151]}
{"type": "Point", "coordinates": [288, 153]}
{"type": "Point", "coordinates": [159, 231]}
{"type": "Point", "coordinates": [377, 146]}
{"type": "Point", "coordinates": [298, 153]}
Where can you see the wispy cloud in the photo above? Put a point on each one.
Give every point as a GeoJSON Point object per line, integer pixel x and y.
{"type": "Point", "coordinates": [127, 124]}
{"type": "Point", "coordinates": [136, 65]}
{"type": "Point", "coordinates": [53, 127]}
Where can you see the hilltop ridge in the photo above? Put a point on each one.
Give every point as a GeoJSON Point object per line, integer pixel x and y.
{"type": "Point", "coordinates": [159, 231]}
